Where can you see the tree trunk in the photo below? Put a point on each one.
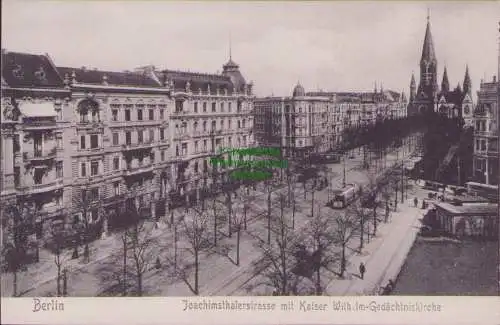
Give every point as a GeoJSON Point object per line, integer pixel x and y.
{"type": "Point", "coordinates": [342, 261]}
{"type": "Point", "coordinates": [245, 216]}
{"type": "Point", "coordinates": [269, 217]}
{"type": "Point", "coordinates": [139, 283]}
{"type": "Point", "coordinates": [238, 247]}
{"type": "Point", "coordinates": [14, 283]}
{"type": "Point", "coordinates": [294, 206]}
{"type": "Point", "coordinates": [175, 247]}
{"type": "Point", "coordinates": [215, 227]}
{"type": "Point", "coordinates": [196, 269]}
{"type": "Point", "coordinates": [124, 267]}
{"type": "Point", "coordinates": [230, 212]}
{"type": "Point", "coordinates": [58, 280]}
{"type": "Point", "coordinates": [318, 281]}
{"type": "Point", "coordinates": [374, 221]}
{"type": "Point", "coordinates": [362, 234]}
{"type": "Point", "coordinates": [312, 202]}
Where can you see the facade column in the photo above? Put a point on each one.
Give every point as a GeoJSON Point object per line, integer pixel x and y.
{"type": "Point", "coordinates": [486, 171]}
{"type": "Point", "coordinates": [7, 162]}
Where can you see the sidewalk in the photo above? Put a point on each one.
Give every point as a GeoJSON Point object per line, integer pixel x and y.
{"type": "Point", "coordinates": [383, 256]}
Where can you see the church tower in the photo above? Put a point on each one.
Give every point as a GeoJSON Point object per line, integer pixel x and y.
{"type": "Point", "coordinates": [445, 84]}
{"type": "Point", "coordinates": [428, 86]}
{"type": "Point", "coordinates": [413, 88]}
{"type": "Point", "coordinates": [467, 82]}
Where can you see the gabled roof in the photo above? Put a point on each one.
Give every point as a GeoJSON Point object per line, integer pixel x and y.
{"type": "Point", "coordinates": [96, 77]}
{"type": "Point", "coordinates": [23, 70]}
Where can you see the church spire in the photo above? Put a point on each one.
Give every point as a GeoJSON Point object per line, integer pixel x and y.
{"type": "Point", "coordinates": [413, 87]}
{"type": "Point", "coordinates": [467, 81]}
{"type": "Point", "coordinates": [428, 52]}
{"type": "Point", "coordinates": [445, 84]}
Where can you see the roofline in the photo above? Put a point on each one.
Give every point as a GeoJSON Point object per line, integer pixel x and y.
{"type": "Point", "coordinates": [110, 87]}
{"type": "Point", "coordinates": [38, 89]}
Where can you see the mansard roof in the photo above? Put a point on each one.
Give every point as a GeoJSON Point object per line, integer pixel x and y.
{"type": "Point", "coordinates": [23, 70]}
{"type": "Point", "coordinates": [97, 77]}
{"type": "Point", "coordinates": [197, 81]}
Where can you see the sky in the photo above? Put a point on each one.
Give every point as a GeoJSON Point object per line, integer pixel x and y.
{"type": "Point", "coordinates": [335, 46]}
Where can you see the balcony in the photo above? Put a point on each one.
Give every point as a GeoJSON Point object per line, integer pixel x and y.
{"type": "Point", "coordinates": [40, 155]}
{"type": "Point", "coordinates": [141, 169]}
{"type": "Point", "coordinates": [42, 188]}
{"type": "Point", "coordinates": [182, 136]}
{"type": "Point", "coordinates": [137, 146]}
{"type": "Point", "coordinates": [492, 153]}
{"type": "Point", "coordinates": [485, 133]}
{"type": "Point", "coordinates": [115, 199]}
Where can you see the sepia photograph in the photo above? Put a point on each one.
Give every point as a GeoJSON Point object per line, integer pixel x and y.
{"type": "Point", "coordinates": [184, 149]}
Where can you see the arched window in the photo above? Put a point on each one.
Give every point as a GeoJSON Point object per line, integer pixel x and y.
{"type": "Point", "coordinates": [88, 108]}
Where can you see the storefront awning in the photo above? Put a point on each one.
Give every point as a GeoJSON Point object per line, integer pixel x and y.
{"type": "Point", "coordinates": [37, 109]}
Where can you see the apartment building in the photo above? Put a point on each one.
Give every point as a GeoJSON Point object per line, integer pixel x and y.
{"type": "Point", "coordinates": [315, 121]}
{"type": "Point", "coordinates": [297, 125]}
{"type": "Point", "coordinates": [485, 160]}
{"type": "Point", "coordinates": [83, 142]}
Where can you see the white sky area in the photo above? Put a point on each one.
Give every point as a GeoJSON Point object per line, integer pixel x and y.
{"type": "Point", "coordinates": [337, 46]}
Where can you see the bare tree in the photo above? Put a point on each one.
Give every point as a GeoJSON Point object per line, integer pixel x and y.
{"type": "Point", "coordinates": [361, 216]}
{"type": "Point", "coordinates": [17, 223]}
{"type": "Point", "coordinates": [276, 263]}
{"type": "Point", "coordinates": [88, 206]}
{"type": "Point", "coordinates": [344, 228]}
{"type": "Point", "coordinates": [196, 231]}
{"type": "Point", "coordinates": [58, 237]}
{"type": "Point", "coordinates": [138, 242]}
{"type": "Point", "coordinates": [319, 234]}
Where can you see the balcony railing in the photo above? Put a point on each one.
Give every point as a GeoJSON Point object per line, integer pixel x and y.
{"type": "Point", "coordinates": [130, 171]}
{"type": "Point", "coordinates": [135, 146]}
{"type": "Point", "coordinates": [485, 133]}
{"type": "Point", "coordinates": [42, 188]}
{"type": "Point", "coordinates": [39, 154]}
{"type": "Point", "coordinates": [487, 153]}
{"type": "Point", "coordinates": [182, 136]}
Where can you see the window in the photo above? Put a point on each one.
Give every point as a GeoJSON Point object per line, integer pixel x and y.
{"type": "Point", "coordinates": [115, 139]}
{"type": "Point", "coordinates": [16, 144]}
{"type": "Point", "coordinates": [38, 176]}
{"type": "Point", "coordinates": [162, 155]}
{"type": "Point", "coordinates": [162, 114]}
{"type": "Point", "coordinates": [114, 115]}
{"type": "Point", "coordinates": [59, 169]}
{"type": "Point", "coordinates": [140, 136]}
{"type": "Point", "coordinates": [152, 157]}
{"type": "Point", "coordinates": [151, 114]}
{"type": "Point", "coordinates": [229, 107]}
{"type": "Point", "coordinates": [195, 107]}
{"type": "Point", "coordinates": [116, 163]}
{"type": "Point", "coordinates": [222, 107]}
{"type": "Point", "coordinates": [204, 107]}
{"type": "Point", "coordinates": [17, 176]}
{"type": "Point", "coordinates": [59, 115]}
{"type": "Point", "coordinates": [214, 107]}
{"type": "Point", "coordinates": [230, 126]}
{"type": "Point", "coordinates": [196, 167]}
{"type": "Point", "coordinates": [184, 149]}
{"type": "Point", "coordinates": [94, 141]}
{"type": "Point", "coordinates": [128, 138]}
{"type": "Point", "coordinates": [239, 124]}
{"type": "Point", "coordinates": [116, 188]}
{"type": "Point", "coordinates": [222, 124]}
{"type": "Point", "coordinates": [82, 142]}
{"type": "Point", "coordinates": [195, 126]}
{"type": "Point", "coordinates": [83, 168]}
{"type": "Point", "coordinates": [127, 115]}
{"type": "Point", "coordinates": [95, 116]}
{"type": "Point", "coordinates": [205, 166]}
{"type": "Point", "coordinates": [204, 145]}
{"type": "Point", "coordinates": [151, 135]}
{"type": "Point", "coordinates": [204, 126]}
{"type": "Point", "coordinates": [230, 141]}
{"type": "Point", "coordinates": [83, 116]}
{"type": "Point", "coordinates": [94, 167]}
{"type": "Point", "coordinates": [162, 134]}
{"type": "Point", "coordinates": [177, 150]}
{"type": "Point", "coordinates": [179, 106]}
{"type": "Point", "coordinates": [196, 146]}
{"type": "Point", "coordinates": [214, 125]}
{"type": "Point", "coordinates": [59, 141]}
{"type": "Point", "coordinates": [94, 194]}
{"type": "Point", "coordinates": [139, 115]}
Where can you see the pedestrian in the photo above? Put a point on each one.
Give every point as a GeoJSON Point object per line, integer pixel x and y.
{"type": "Point", "coordinates": [415, 201]}
{"type": "Point", "coordinates": [362, 270]}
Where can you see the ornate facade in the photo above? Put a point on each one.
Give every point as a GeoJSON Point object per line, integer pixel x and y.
{"type": "Point", "coordinates": [79, 139]}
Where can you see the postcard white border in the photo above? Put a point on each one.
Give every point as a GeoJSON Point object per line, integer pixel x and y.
{"type": "Point", "coordinates": [169, 310]}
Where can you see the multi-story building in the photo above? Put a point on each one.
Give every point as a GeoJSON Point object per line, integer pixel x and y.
{"type": "Point", "coordinates": [485, 161]}
{"type": "Point", "coordinates": [80, 140]}
{"type": "Point", "coordinates": [314, 121]}
{"type": "Point", "coordinates": [296, 124]}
